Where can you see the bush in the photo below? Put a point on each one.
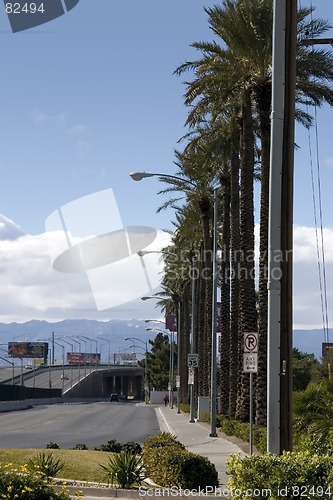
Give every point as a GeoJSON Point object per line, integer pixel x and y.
{"type": "Point", "coordinates": [46, 464]}
{"type": "Point", "coordinates": [51, 445]}
{"type": "Point", "coordinates": [162, 440]}
{"type": "Point", "coordinates": [23, 485]}
{"type": "Point", "coordinates": [80, 446]}
{"type": "Point", "coordinates": [184, 407]}
{"type": "Point", "coordinates": [168, 464]}
{"type": "Point", "coordinates": [111, 446]}
{"type": "Point", "coordinates": [287, 476]}
{"type": "Point", "coordinates": [124, 469]}
{"type": "Point", "coordinates": [242, 430]}
{"type": "Point", "coordinates": [132, 447]}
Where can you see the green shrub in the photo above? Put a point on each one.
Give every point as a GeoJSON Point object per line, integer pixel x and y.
{"type": "Point", "coordinates": [228, 427]}
{"type": "Point", "coordinates": [162, 440]}
{"type": "Point", "coordinates": [184, 407]}
{"type": "Point", "coordinates": [132, 447]}
{"type": "Point", "coordinates": [205, 416]}
{"type": "Point", "coordinates": [80, 446]}
{"type": "Point", "coordinates": [111, 446]}
{"type": "Point", "coordinates": [24, 485]}
{"type": "Point", "coordinates": [124, 469]}
{"type": "Point", "coordinates": [168, 464]}
{"type": "Point", "coordinates": [287, 476]}
{"type": "Point", "coordinates": [46, 464]}
{"type": "Point", "coordinates": [242, 430]}
{"type": "Point", "coordinates": [53, 446]}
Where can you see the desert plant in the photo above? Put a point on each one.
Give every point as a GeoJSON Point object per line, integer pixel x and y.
{"type": "Point", "coordinates": [46, 464]}
{"type": "Point", "coordinates": [125, 470]}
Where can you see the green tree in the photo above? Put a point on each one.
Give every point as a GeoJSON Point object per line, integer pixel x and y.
{"type": "Point", "coordinates": [306, 369]}
{"type": "Point", "coordinates": [158, 362]}
{"type": "Point", "coordinates": [237, 74]}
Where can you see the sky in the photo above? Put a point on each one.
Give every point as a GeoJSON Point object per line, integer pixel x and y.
{"type": "Point", "coordinates": [86, 99]}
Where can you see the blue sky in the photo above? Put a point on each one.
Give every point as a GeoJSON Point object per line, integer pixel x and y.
{"type": "Point", "coordinates": [85, 100]}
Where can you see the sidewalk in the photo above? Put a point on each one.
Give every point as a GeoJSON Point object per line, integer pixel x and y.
{"type": "Point", "coordinates": [195, 437]}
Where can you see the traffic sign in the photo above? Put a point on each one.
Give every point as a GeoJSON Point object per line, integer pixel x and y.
{"type": "Point", "coordinates": [251, 342]}
{"type": "Point", "coordinates": [177, 381]}
{"type": "Point", "coordinates": [250, 362]}
{"type": "Point", "coordinates": [190, 376]}
{"type": "Point", "coordinates": [193, 360]}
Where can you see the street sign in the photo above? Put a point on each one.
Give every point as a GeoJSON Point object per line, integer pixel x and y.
{"type": "Point", "coordinates": [250, 362]}
{"type": "Point", "coordinates": [190, 376]}
{"type": "Point", "coordinates": [193, 360]}
{"type": "Point", "coordinates": [177, 381]}
{"type": "Point", "coordinates": [251, 342]}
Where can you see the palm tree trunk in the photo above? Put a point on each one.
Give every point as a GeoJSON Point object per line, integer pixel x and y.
{"type": "Point", "coordinates": [224, 347]}
{"type": "Point", "coordinates": [247, 310]}
{"type": "Point", "coordinates": [235, 273]}
{"type": "Point", "coordinates": [263, 98]}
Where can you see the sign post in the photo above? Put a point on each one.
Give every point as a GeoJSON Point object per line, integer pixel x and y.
{"type": "Point", "coordinates": [250, 365]}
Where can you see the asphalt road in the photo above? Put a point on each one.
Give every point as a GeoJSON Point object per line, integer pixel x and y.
{"type": "Point", "coordinates": [69, 424]}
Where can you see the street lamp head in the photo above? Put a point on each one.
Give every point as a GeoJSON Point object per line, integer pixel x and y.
{"type": "Point", "coordinates": [138, 176]}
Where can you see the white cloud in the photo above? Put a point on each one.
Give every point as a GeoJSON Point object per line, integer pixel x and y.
{"type": "Point", "coordinates": [9, 230]}
{"type": "Point", "coordinates": [32, 289]}
{"type": "Point", "coordinates": [40, 117]}
{"type": "Point", "coordinates": [79, 128]}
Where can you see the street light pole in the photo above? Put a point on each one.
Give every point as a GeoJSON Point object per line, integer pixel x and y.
{"type": "Point", "coordinates": [214, 319]}
{"type": "Point", "coordinates": [146, 389]}
{"type": "Point", "coordinates": [109, 355]}
{"type": "Point", "coordinates": [72, 346]}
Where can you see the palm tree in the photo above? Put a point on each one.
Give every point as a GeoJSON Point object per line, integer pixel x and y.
{"type": "Point", "coordinates": [194, 178]}
{"type": "Point", "coordinates": [241, 73]}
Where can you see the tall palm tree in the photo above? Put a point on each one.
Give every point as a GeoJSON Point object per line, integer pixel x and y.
{"type": "Point", "coordinates": [241, 72]}
{"type": "Point", "coordinates": [194, 178]}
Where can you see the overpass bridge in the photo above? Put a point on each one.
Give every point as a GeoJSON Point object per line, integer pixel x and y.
{"type": "Point", "coordinates": [77, 381]}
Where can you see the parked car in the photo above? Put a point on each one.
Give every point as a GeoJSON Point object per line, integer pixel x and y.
{"type": "Point", "coordinates": [114, 398]}
{"type": "Point", "coordinates": [28, 367]}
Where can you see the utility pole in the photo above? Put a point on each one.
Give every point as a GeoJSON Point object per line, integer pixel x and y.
{"type": "Point", "coordinates": [279, 284]}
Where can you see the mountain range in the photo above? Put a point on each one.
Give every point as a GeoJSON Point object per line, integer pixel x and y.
{"type": "Point", "coordinates": [109, 336]}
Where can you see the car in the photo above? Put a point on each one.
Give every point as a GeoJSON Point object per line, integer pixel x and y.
{"type": "Point", "coordinates": [63, 377]}
{"type": "Point", "coordinates": [28, 367]}
{"type": "Point", "coordinates": [114, 398]}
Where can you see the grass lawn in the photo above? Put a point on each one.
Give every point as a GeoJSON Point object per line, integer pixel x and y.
{"type": "Point", "coordinates": [82, 465]}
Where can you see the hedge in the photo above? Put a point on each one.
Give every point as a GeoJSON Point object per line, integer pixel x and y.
{"type": "Point", "coordinates": [169, 464]}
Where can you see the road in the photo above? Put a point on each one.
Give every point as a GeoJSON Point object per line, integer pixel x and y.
{"type": "Point", "coordinates": [69, 424]}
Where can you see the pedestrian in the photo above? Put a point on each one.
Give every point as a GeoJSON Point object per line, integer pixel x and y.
{"type": "Point", "coordinates": [166, 400]}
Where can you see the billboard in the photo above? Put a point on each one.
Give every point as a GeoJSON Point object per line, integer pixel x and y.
{"type": "Point", "coordinates": [83, 358]}
{"type": "Point", "coordinates": [28, 350]}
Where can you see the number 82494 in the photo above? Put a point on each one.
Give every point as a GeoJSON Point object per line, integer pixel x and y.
{"type": "Point", "coordinates": [26, 8]}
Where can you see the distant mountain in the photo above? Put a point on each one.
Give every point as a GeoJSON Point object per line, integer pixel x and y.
{"type": "Point", "coordinates": [115, 331]}
{"type": "Point", "coordinates": [79, 332]}
{"type": "Point", "coordinates": [311, 341]}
